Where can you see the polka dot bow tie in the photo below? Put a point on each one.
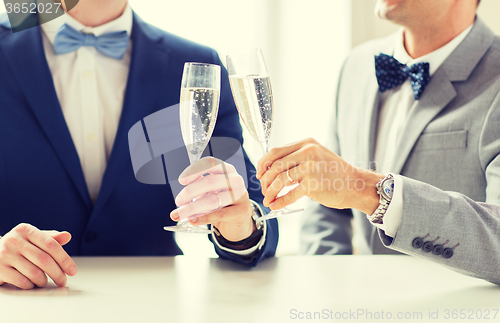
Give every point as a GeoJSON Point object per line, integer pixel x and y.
{"type": "Point", "coordinates": [391, 73]}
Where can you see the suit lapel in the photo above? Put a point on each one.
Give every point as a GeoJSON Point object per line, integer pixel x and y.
{"type": "Point", "coordinates": [145, 81]}
{"type": "Point", "coordinates": [370, 122]}
{"type": "Point", "coordinates": [371, 117]}
{"type": "Point", "coordinates": [440, 90]}
{"type": "Point", "coordinates": [25, 54]}
{"type": "Point", "coordinates": [369, 139]}
{"type": "Point", "coordinates": [438, 93]}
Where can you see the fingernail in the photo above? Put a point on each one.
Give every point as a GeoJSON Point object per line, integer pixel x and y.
{"type": "Point", "coordinates": [73, 270]}
{"type": "Point", "coordinates": [174, 215]}
{"type": "Point", "coordinates": [272, 205]}
{"type": "Point", "coordinates": [63, 282]}
{"type": "Point", "coordinates": [193, 220]}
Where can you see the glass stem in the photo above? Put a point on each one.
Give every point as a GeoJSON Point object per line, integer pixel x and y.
{"type": "Point", "coordinates": [194, 158]}
{"type": "Point", "coordinates": [184, 222]}
{"type": "Point", "coordinates": [265, 146]}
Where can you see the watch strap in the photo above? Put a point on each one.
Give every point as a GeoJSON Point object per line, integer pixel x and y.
{"type": "Point", "coordinates": [378, 216]}
{"type": "Point", "coordinates": [249, 242]}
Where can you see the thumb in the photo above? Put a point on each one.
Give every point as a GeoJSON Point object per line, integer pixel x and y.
{"type": "Point", "coordinates": [61, 237]}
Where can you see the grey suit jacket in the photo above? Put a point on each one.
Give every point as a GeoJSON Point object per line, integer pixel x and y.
{"type": "Point", "coordinates": [448, 153]}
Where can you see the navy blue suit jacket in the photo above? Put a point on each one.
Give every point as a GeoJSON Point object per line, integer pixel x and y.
{"type": "Point", "coordinates": [41, 180]}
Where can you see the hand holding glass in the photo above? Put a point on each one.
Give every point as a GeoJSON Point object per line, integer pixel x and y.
{"type": "Point", "coordinates": [199, 105]}
{"type": "Point", "coordinates": [252, 93]}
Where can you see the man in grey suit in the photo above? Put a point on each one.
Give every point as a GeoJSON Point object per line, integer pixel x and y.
{"type": "Point", "coordinates": [419, 136]}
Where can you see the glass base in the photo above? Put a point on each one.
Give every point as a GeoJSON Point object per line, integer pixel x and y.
{"type": "Point", "coordinates": [185, 227]}
{"type": "Point", "coordinates": [278, 213]}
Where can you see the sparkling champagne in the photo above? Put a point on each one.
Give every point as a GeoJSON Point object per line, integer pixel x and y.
{"type": "Point", "coordinates": [198, 113]}
{"type": "Point", "coordinates": [254, 99]}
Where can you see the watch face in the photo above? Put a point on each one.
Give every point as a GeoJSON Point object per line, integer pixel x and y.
{"type": "Point", "coordinates": [388, 188]}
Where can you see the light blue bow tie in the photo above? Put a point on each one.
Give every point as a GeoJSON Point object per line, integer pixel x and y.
{"type": "Point", "coordinates": [112, 44]}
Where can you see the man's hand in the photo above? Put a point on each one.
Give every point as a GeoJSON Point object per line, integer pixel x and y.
{"type": "Point", "coordinates": [221, 199]}
{"type": "Point", "coordinates": [28, 255]}
{"type": "Point", "coordinates": [321, 174]}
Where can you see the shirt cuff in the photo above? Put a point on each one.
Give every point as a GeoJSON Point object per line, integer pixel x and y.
{"type": "Point", "coordinates": [394, 214]}
{"type": "Point", "coordinates": [248, 251]}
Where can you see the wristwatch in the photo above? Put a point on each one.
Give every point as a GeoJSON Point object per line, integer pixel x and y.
{"type": "Point", "coordinates": [385, 189]}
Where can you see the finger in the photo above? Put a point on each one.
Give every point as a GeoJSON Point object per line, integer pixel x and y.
{"type": "Point", "coordinates": [296, 159]}
{"type": "Point", "coordinates": [277, 153]}
{"type": "Point", "coordinates": [30, 271]}
{"type": "Point", "coordinates": [226, 214]}
{"type": "Point", "coordinates": [280, 182]}
{"type": "Point", "coordinates": [291, 197]}
{"type": "Point", "coordinates": [204, 205]}
{"type": "Point", "coordinates": [207, 165]}
{"type": "Point", "coordinates": [61, 237]}
{"type": "Point", "coordinates": [45, 262]}
{"type": "Point", "coordinates": [14, 277]}
{"type": "Point", "coordinates": [53, 249]}
{"type": "Point", "coordinates": [209, 184]}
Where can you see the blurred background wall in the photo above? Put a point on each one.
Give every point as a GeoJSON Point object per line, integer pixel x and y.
{"type": "Point", "coordinates": [304, 44]}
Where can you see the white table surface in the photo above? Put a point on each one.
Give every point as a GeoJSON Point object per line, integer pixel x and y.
{"type": "Point", "coordinates": [192, 289]}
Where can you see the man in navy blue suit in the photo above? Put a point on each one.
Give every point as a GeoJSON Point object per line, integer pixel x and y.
{"type": "Point", "coordinates": [64, 161]}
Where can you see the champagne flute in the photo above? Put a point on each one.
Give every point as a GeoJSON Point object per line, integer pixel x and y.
{"type": "Point", "coordinates": [251, 87]}
{"type": "Point", "coordinates": [199, 105]}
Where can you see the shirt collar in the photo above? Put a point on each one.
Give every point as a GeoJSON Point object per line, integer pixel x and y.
{"type": "Point", "coordinates": [124, 22]}
{"type": "Point", "coordinates": [435, 58]}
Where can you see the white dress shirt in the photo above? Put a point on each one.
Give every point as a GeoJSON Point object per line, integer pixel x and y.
{"type": "Point", "coordinates": [395, 104]}
{"type": "Point", "coordinates": [91, 88]}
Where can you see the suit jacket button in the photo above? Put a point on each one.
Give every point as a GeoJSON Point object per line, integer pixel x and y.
{"type": "Point", "coordinates": [438, 249]}
{"type": "Point", "coordinates": [417, 243]}
{"type": "Point", "coordinates": [90, 237]}
{"type": "Point", "coordinates": [447, 253]}
{"type": "Point", "coordinates": [428, 246]}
